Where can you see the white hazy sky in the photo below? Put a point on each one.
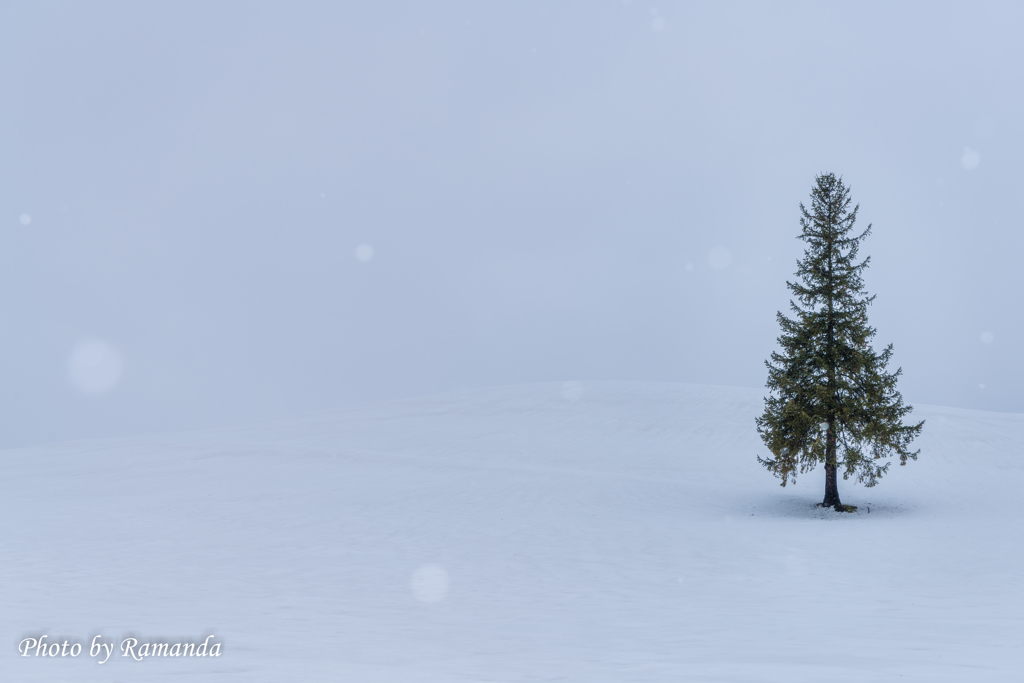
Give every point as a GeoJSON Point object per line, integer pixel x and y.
{"type": "Point", "coordinates": [216, 212]}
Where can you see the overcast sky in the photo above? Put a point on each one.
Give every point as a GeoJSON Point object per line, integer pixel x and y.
{"type": "Point", "coordinates": [217, 212]}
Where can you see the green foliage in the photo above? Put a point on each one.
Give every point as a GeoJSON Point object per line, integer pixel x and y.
{"type": "Point", "coordinates": [831, 399]}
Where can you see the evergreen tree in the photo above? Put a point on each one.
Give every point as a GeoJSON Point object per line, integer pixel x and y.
{"type": "Point", "coordinates": [831, 399]}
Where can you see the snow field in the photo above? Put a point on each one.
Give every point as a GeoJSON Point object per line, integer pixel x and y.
{"type": "Point", "coordinates": [615, 532]}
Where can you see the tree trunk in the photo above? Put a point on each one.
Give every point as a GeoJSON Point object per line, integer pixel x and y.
{"type": "Point", "coordinates": [831, 482]}
{"type": "Point", "coordinates": [831, 489]}
{"type": "Point", "coordinates": [831, 485]}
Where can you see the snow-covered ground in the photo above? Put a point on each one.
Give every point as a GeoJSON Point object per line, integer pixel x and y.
{"type": "Point", "coordinates": [595, 532]}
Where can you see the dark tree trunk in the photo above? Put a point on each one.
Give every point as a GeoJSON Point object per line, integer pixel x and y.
{"type": "Point", "coordinates": [831, 482]}
{"type": "Point", "coordinates": [831, 485]}
{"type": "Point", "coordinates": [831, 489]}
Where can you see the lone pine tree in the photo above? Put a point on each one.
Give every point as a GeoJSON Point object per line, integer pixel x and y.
{"type": "Point", "coordinates": [831, 400]}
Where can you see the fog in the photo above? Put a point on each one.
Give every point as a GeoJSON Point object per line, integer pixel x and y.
{"type": "Point", "coordinates": [215, 213]}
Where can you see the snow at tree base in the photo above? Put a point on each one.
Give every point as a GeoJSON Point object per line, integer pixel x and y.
{"type": "Point", "coordinates": [596, 532]}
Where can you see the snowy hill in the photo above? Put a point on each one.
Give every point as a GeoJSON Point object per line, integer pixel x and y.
{"type": "Point", "coordinates": [593, 532]}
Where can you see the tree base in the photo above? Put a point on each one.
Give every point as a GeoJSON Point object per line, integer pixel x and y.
{"type": "Point", "coordinates": [840, 507]}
